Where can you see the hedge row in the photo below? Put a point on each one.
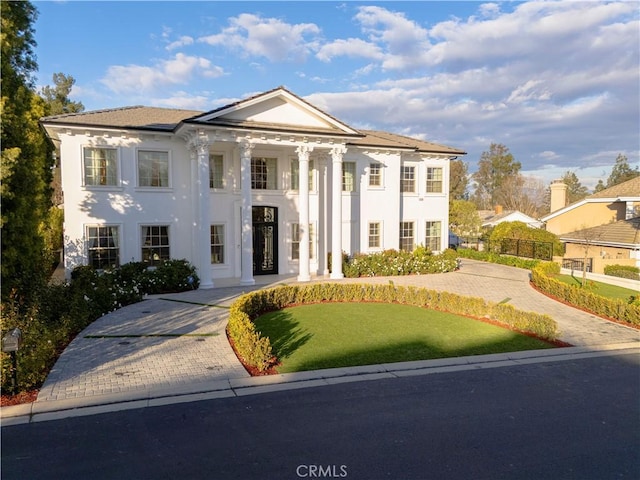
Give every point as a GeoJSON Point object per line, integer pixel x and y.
{"type": "Point", "coordinates": [492, 257]}
{"type": "Point", "coordinates": [256, 350]}
{"type": "Point", "coordinates": [622, 271]}
{"type": "Point", "coordinates": [399, 262]}
{"type": "Point", "coordinates": [617, 309]}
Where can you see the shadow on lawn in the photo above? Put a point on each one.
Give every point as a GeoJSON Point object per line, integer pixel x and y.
{"type": "Point", "coordinates": [285, 333]}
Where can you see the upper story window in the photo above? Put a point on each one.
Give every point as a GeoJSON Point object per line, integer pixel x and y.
{"type": "Point", "coordinates": [434, 179]}
{"type": "Point", "coordinates": [348, 176]}
{"type": "Point", "coordinates": [153, 168]}
{"type": "Point", "coordinates": [408, 179]}
{"type": "Point", "coordinates": [216, 171]}
{"type": "Point", "coordinates": [295, 175]}
{"type": "Point", "coordinates": [100, 167]}
{"type": "Point", "coordinates": [375, 175]}
{"type": "Point", "coordinates": [264, 173]}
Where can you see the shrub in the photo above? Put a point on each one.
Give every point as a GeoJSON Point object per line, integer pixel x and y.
{"type": "Point", "coordinates": [622, 271]}
{"type": "Point", "coordinates": [399, 262]}
{"type": "Point", "coordinates": [492, 257]}
{"type": "Point", "coordinates": [256, 350]}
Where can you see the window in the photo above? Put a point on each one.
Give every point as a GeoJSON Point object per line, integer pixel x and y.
{"type": "Point", "coordinates": [295, 175]}
{"type": "Point", "coordinates": [408, 179]}
{"type": "Point", "coordinates": [375, 175]}
{"type": "Point", "coordinates": [100, 167]}
{"type": "Point", "coordinates": [295, 241]}
{"type": "Point", "coordinates": [103, 246]}
{"type": "Point", "coordinates": [217, 243]}
{"type": "Point", "coordinates": [434, 179]}
{"type": "Point", "coordinates": [155, 244]}
{"type": "Point", "coordinates": [433, 237]}
{"type": "Point", "coordinates": [153, 169]}
{"type": "Point", "coordinates": [374, 235]}
{"type": "Point", "coordinates": [216, 172]}
{"type": "Point", "coordinates": [348, 176]}
{"type": "Point", "coordinates": [263, 173]}
{"type": "Point", "coordinates": [406, 236]}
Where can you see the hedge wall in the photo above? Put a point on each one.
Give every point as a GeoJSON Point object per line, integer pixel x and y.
{"type": "Point", "coordinates": [622, 310]}
{"type": "Point", "coordinates": [256, 350]}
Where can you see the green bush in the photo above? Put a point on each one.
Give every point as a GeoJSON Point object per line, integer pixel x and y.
{"type": "Point", "coordinates": [622, 271]}
{"type": "Point", "coordinates": [256, 350]}
{"type": "Point", "coordinates": [521, 231]}
{"type": "Point", "coordinates": [399, 262]}
{"type": "Point", "coordinates": [492, 257]}
{"type": "Point", "coordinates": [60, 312]}
{"type": "Point", "coordinates": [617, 309]}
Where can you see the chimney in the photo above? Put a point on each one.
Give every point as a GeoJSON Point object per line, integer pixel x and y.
{"type": "Point", "coordinates": [558, 195]}
{"type": "Point", "coordinates": [498, 209]}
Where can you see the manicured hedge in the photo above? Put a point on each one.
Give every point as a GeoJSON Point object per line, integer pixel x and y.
{"type": "Point", "coordinates": [497, 258]}
{"type": "Point", "coordinates": [399, 262]}
{"type": "Point", "coordinates": [625, 311]}
{"type": "Point", "coordinates": [622, 271]}
{"type": "Point", "coordinates": [256, 351]}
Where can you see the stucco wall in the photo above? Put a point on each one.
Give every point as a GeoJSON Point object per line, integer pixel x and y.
{"type": "Point", "coordinates": [585, 216]}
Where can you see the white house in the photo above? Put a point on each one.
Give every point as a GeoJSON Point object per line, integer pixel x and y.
{"type": "Point", "coordinates": [267, 185]}
{"type": "Point", "coordinates": [491, 218]}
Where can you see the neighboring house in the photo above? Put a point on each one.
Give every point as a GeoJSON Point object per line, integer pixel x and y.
{"type": "Point", "coordinates": [267, 185]}
{"type": "Point", "coordinates": [606, 223]}
{"type": "Point", "coordinates": [491, 218]}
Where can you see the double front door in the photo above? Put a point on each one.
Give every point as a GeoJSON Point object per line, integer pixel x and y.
{"type": "Point", "coordinates": [265, 240]}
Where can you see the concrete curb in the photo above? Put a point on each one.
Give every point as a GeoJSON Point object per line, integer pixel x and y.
{"type": "Point", "coordinates": [235, 387]}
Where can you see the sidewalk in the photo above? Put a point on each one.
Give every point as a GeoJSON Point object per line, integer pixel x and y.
{"type": "Point", "coordinates": [173, 348]}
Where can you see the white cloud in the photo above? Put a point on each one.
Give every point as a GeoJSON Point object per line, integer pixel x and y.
{"type": "Point", "coordinates": [270, 38]}
{"type": "Point", "coordinates": [351, 47]}
{"type": "Point", "coordinates": [181, 42]}
{"type": "Point", "coordinates": [125, 79]}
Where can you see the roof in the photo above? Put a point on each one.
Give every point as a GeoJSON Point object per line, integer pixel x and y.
{"type": "Point", "coordinates": [169, 120]}
{"type": "Point", "coordinates": [620, 233]}
{"type": "Point", "coordinates": [490, 216]}
{"type": "Point", "coordinates": [626, 191]}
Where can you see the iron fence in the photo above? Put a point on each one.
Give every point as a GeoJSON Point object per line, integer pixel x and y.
{"type": "Point", "coordinates": [577, 264]}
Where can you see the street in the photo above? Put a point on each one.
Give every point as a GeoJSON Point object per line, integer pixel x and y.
{"type": "Point", "coordinates": [570, 419]}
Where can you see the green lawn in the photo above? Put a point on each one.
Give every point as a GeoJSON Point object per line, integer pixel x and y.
{"type": "Point", "coordinates": [328, 335]}
{"type": "Point", "coordinates": [599, 288]}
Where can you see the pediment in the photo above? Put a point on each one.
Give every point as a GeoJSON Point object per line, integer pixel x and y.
{"type": "Point", "coordinates": [278, 108]}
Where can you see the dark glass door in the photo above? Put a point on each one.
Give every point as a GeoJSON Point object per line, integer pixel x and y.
{"type": "Point", "coordinates": [265, 240]}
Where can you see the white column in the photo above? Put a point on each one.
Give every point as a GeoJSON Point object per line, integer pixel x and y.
{"type": "Point", "coordinates": [303, 152]}
{"type": "Point", "coordinates": [204, 221]}
{"type": "Point", "coordinates": [325, 214]}
{"type": "Point", "coordinates": [247, 228]}
{"type": "Point", "coordinates": [336, 212]}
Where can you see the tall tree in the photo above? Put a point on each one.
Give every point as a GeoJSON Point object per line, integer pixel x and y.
{"type": "Point", "coordinates": [57, 97]}
{"type": "Point", "coordinates": [25, 158]}
{"type": "Point", "coordinates": [621, 171]}
{"type": "Point", "coordinates": [458, 180]}
{"type": "Point", "coordinates": [575, 190]}
{"type": "Point", "coordinates": [494, 168]}
{"type": "Point", "coordinates": [463, 218]}
{"type": "Point", "coordinates": [599, 186]}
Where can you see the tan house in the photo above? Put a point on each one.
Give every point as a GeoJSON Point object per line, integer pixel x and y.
{"type": "Point", "coordinates": [603, 227]}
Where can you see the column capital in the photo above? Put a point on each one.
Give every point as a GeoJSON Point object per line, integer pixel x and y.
{"type": "Point", "coordinates": [304, 151]}
{"type": "Point", "coordinates": [199, 142]}
{"type": "Point", "coordinates": [246, 147]}
{"type": "Point", "coordinates": [338, 152]}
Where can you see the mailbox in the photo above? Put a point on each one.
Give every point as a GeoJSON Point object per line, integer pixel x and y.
{"type": "Point", "coordinates": [12, 340]}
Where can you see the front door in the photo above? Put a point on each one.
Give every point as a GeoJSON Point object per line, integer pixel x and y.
{"type": "Point", "coordinates": [265, 240]}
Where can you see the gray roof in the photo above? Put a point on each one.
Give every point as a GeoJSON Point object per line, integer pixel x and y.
{"type": "Point", "coordinates": [630, 188]}
{"type": "Point", "coordinates": [622, 232]}
{"type": "Point", "coordinates": [168, 120]}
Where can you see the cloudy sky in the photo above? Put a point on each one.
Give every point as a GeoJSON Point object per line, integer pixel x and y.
{"type": "Point", "coordinates": [556, 81]}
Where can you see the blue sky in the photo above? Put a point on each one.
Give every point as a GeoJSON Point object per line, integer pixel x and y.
{"type": "Point", "coordinates": [557, 82]}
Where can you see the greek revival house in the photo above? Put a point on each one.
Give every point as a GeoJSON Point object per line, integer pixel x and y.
{"type": "Point", "coordinates": [267, 185]}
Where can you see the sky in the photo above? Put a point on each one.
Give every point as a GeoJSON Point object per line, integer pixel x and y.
{"type": "Point", "coordinates": [557, 82]}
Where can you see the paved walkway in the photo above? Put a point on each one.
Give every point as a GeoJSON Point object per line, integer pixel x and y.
{"type": "Point", "coordinates": [175, 344]}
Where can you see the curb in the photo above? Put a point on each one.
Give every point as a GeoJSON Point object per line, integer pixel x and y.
{"type": "Point", "coordinates": [236, 387]}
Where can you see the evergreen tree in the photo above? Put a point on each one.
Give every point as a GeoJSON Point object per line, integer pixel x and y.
{"type": "Point", "coordinates": [495, 167]}
{"type": "Point", "coordinates": [26, 158]}
{"type": "Point", "coordinates": [458, 180]}
{"type": "Point", "coordinates": [575, 190]}
{"type": "Point", "coordinates": [621, 171]}
{"type": "Point", "coordinates": [599, 187]}
{"type": "Point", "coordinates": [57, 97]}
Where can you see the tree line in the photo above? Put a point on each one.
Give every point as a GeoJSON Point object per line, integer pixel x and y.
{"type": "Point", "coordinates": [498, 181]}
{"type": "Point", "coordinates": [31, 225]}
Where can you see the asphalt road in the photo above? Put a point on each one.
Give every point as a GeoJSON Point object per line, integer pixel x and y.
{"type": "Point", "coordinates": [577, 419]}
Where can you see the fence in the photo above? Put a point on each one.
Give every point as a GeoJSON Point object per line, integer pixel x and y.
{"type": "Point", "coordinates": [527, 248]}
{"type": "Point", "coordinates": [577, 264]}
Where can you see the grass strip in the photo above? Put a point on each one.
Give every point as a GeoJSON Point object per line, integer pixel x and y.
{"type": "Point", "coordinates": [194, 303]}
{"type": "Point", "coordinates": [142, 335]}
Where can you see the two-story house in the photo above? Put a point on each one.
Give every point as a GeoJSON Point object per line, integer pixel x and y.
{"type": "Point", "coordinates": [267, 185]}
